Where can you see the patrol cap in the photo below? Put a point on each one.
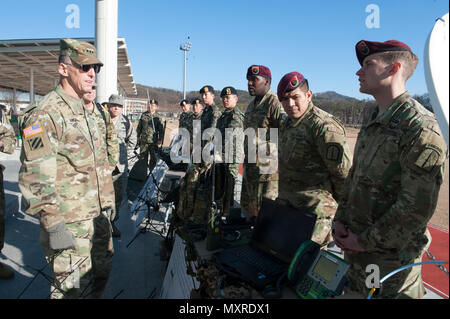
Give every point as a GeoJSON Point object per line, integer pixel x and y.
{"type": "Point", "coordinates": [184, 102]}
{"type": "Point", "coordinates": [365, 48]}
{"type": "Point", "coordinates": [289, 82]}
{"type": "Point", "coordinates": [81, 52]}
{"type": "Point", "coordinates": [196, 101]}
{"type": "Point", "coordinates": [207, 88]}
{"type": "Point", "coordinates": [259, 70]}
{"type": "Point", "coordinates": [152, 101]}
{"type": "Point", "coordinates": [229, 90]}
{"type": "Point", "coordinates": [115, 99]}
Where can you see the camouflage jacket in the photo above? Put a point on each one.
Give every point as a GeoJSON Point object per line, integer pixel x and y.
{"type": "Point", "coordinates": [150, 129]}
{"type": "Point", "coordinates": [65, 174]}
{"type": "Point", "coordinates": [393, 186]}
{"type": "Point", "coordinates": [196, 130]}
{"type": "Point", "coordinates": [209, 117]}
{"type": "Point", "coordinates": [8, 137]}
{"type": "Point", "coordinates": [185, 121]}
{"type": "Point", "coordinates": [268, 113]}
{"type": "Point", "coordinates": [231, 119]}
{"type": "Point", "coordinates": [127, 140]}
{"type": "Point", "coordinates": [314, 160]}
{"type": "Point", "coordinates": [103, 119]}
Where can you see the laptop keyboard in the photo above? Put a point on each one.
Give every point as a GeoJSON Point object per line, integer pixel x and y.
{"type": "Point", "coordinates": [259, 260]}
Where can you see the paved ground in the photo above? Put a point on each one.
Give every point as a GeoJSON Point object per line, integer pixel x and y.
{"type": "Point", "coordinates": [137, 270]}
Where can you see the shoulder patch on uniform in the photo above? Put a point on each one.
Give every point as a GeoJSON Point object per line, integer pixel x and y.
{"type": "Point", "coordinates": [36, 142]}
{"type": "Point", "coordinates": [32, 130]}
{"type": "Point", "coordinates": [428, 159]}
{"type": "Point", "coordinates": [334, 152]}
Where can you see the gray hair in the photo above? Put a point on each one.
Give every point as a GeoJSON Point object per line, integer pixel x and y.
{"type": "Point", "coordinates": [64, 59]}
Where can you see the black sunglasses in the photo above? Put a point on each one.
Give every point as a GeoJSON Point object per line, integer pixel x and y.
{"type": "Point", "coordinates": [87, 67]}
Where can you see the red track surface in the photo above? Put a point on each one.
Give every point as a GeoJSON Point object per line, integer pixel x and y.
{"type": "Point", "coordinates": [433, 278]}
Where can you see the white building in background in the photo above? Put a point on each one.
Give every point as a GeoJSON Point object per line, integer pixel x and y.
{"type": "Point", "coordinates": [134, 107]}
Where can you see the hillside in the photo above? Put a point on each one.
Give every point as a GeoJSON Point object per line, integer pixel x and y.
{"type": "Point", "coordinates": [349, 110]}
{"type": "Point", "coordinates": [332, 95]}
{"type": "Point", "coordinates": [169, 100]}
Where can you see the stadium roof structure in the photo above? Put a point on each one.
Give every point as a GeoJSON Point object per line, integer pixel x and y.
{"type": "Point", "coordinates": [31, 65]}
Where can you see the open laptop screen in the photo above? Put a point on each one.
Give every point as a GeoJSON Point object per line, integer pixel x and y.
{"type": "Point", "coordinates": [280, 229]}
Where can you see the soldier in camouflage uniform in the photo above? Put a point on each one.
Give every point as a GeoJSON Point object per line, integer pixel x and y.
{"type": "Point", "coordinates": [7, 143]}
{"type": "Point", "coordinates": [149, 134]}
{"type": "Point", "coordinates": [127, 143]}
{"type": "Point", "coordinates": [197, 111]}
{"type": "Point", "coordinates": [398, 168]}
{"type": "Point", "coordinates": [195, 196]}
{"type": "Point", "coordinates": [185, 120]}
{"type": "Point", "coordinates": [102, 244]}
{"type": "Point", "coordinates": [231, 118]}
{"type": "Point", "coordinates": [65, 177]}
{"type": "Point", "coordinates": [314, 158]}
{"type": "Point", "coordinates": [265, 111]}
{"type": "Point", "coordinates": [210, 113]}
{"type": "Point", "coordinates": [105, 125]}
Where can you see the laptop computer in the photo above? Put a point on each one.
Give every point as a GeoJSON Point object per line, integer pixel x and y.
{"type": "Point", "coordinates": [278, 233]}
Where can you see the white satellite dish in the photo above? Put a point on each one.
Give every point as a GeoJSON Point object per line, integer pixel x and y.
{"type": "Point", "coordinates": [436, 71]}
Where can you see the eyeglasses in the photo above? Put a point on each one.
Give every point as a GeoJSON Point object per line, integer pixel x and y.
{"type": "Point", "coordinates": [86, 67]}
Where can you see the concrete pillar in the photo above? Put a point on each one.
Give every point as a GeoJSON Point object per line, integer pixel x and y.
{"type": "Point", "coordinates": [14, 106]}
{"type": "Point", "coordinates": [106, 29]}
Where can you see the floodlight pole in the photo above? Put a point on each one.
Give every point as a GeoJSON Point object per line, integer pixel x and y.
{"type": "Point", "coordinates": [185, 47]}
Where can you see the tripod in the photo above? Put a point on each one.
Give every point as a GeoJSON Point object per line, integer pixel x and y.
{"type": "Point", "coordinates": [152, 205]}
{"type": "Point", "coordinates": [149, 196]}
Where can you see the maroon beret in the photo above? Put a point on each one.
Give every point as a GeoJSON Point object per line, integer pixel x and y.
{"type": "Point", "coordinates": [365, 48]}
{"type": "Point", "coordinates": [289, 82]}
{"type": "Point", "coordinates": [259, 70]}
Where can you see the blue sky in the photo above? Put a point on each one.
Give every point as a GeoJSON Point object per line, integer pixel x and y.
{"type": "Point", "coordinates": [316, 38]}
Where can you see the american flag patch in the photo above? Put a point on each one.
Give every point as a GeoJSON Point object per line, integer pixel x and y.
{"type": "Point", "coordinates": [32, 130]}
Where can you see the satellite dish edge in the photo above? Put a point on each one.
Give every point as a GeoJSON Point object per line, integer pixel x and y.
{"type": "Point", "coordinates": [436, 63]}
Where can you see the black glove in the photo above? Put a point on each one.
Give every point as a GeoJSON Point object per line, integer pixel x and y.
{"type": "Point", "coordinates": [60, 238]}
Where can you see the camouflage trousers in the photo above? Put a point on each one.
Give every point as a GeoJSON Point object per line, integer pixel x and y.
{"type": "Point", "coordinates": [118, 181]}
{"type": "Point", "coordinates": [102, 253]}
{"type": "Point", "coordinates": [406, 284]}
{"type": "Point", "coordinates": [72, 268]}
{"type": "Point", "coordinates": [253, 191]}
{"type": "Point", "coordinates": [148, 154]}
{"type": "Point", "coordinates": [2, 211]}
{"type": "Point", "coordinates": [230, 194]}
{"type": "Point", "coordinates": [81, 272]}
